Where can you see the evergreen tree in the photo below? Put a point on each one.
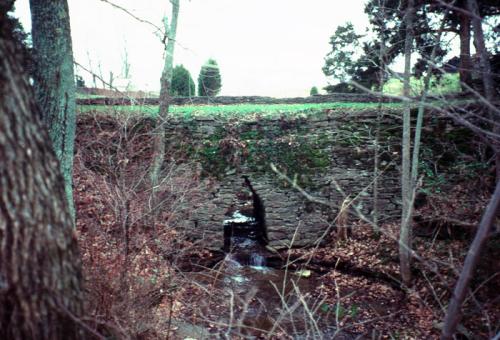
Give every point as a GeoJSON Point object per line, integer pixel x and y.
{"type": "Point", "coordinates": [314, 91]}
{"type": "Point", "coordinates": [182, 82]}
{"type": "Point", "coordinates": [209, 80]}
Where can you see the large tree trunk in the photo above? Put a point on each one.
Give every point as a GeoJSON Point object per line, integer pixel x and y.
{"type": "Point", "coordinates": [165, 98]}
{"type": "Point", "coordinates": [465, 67]}
{"type": "Point", "coordinates": [55, 81]}
{"type": "Point", "coordinates": [40, 275]}
{"type": "Point", "coordinates": [406, 186]}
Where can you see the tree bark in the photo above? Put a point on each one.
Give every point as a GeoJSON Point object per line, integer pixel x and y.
{"type": "Point", "coordinates": [40, 272]}
{"type": "Point", "coordinates": [453, 313]}
{"type": "Point", "coordinates": [465, 67]}
{"type": "Point", "coordinates": [54, 81]}
{"type": "Point", "coordinates": [165, 98]}
{"type": "Point", "coordinates": [406, 187]}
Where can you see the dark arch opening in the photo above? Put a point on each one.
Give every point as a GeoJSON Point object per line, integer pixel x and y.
{"type": "Point", "coordinates": [247, 219]}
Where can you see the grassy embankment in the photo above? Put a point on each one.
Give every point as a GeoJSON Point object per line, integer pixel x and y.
{"type": "Point", "coordinates": [230, 111]}
{"type": "Point", "coordinates": [449, 83]}
{"type": "Point", "coordinates": [249, 111]}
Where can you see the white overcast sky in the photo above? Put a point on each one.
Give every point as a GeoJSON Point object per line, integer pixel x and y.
{"type": "Point", "coordinates": [263, 47]}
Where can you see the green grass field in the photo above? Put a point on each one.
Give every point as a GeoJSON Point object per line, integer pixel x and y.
{"type": "Point", "coordinates": [240, 111]}
{"type": "Point", "coordinates": [449, 83]}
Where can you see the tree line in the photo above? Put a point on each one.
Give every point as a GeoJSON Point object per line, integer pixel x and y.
{"type": "Point", "coordinates": [355, 56]}
{"type": "Point", "coordinates": [183, 85]}
{"type": "Point", "coordinates": [209, 81]}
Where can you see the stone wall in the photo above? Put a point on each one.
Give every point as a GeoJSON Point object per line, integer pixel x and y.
{"type": "Point", "coordinates": [315, 150]}
{"type": "Point", "coordinates": [231, 100]}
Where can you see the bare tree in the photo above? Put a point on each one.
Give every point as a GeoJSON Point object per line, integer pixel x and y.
{"type": "Point", "coordinates": [376, 158]}
{"type": "Point", "coordinates": [94, 76]}
{"type": "Point", "coordinates": [55, 81]}
{"type": "Point", "coordinates": [421, 107]}
{"type": "Point", "coordinates": [465, 66]}
{"type": "Point", "coordinates": [111, 79]}
{"type": "Point", "coordinates": [40, 275]}
{"type": "Point", "coordinates": [406, 187]}
{"type": "Point", "coordinates": [410, 164]}
{"type": "Point", "coordinates": [165, 98]}
{"type": "Point", "coordinates": [126, 68]}
{"type": "Point", "coordinates": [101, 74]}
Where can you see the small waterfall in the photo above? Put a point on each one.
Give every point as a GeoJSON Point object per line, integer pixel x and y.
{"type": "Point", "coordinates": [239, 218]}
{"type": "Point", "coordinates": [245, 235]}
{"type": "Point", "coordinates": [257, 260]}
{"type": "Point", "coordinates": [241, 241]}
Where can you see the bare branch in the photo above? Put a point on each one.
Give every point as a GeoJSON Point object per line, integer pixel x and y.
{"type": "Point", "coordinates": [156, 27]}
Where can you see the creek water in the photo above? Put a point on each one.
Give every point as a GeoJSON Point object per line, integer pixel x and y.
{"type": "Point", "coordinates": [261, 300]}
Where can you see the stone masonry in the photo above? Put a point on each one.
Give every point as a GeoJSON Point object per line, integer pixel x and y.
{"type": "Point", "coordinates": [316, 151]}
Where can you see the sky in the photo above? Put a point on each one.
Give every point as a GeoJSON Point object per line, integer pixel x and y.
{"type": "Point", "coordinates": [263, 47]}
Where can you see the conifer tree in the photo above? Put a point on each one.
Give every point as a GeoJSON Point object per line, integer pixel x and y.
{"type": "Point", "coordinates": [209, 80]}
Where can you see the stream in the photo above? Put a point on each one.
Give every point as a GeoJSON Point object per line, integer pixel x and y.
{"type": "Point", "coordinates": [262, 300]}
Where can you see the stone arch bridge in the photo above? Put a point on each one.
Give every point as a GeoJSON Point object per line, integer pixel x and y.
{"type": "Point", "coordinates": [314, 151]}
